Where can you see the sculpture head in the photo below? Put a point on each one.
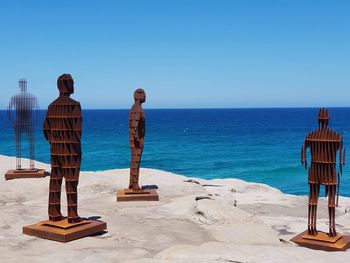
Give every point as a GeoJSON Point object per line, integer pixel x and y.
{"type": "Point", "coordinates": [22, 85]}
{"type": "Point", "coordinates": [323, 118]}
{"type": "Point", "coordinates": [140, 95]}
{"type": "Point", "coordinates": [65, 84]}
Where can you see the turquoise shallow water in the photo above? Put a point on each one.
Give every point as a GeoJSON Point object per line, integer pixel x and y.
{"type": "Point", "coordinates": [260, 145]}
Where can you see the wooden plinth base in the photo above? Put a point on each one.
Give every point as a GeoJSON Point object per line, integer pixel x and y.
{"type": "Point", "coordinates": [142, 195]}
{"type": "Point", "coordinates": [25, 173]}
{"type": "Point", "coordinates": [322, 241]}
{"type": "Point", "coordinates": [63, 231]}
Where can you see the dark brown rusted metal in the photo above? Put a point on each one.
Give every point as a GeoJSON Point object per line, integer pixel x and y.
{"type": "Point", "coordinates": [63, 231]}
{"type": "Point", "coordinates": [63, 129]}
{"type": "Point", "coordinates": [137, 137]}
{"type": "Point", "coordinates": [324, 145]}
{"type": "Point", "coordinates": [322, 241]}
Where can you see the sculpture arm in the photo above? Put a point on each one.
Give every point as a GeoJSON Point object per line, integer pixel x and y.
{"type": "Point", "coordinates": [143, 129]}
{"type": "Point", "coordinates": [10, 109]}
{"type": "Point", "coordinates": [46, 127]}
{"type": "Point", "coordinates": [342, 154]}
{"type": "Point", "coordinates": [134, 125]}
{"type": "Point", "coordinates": [80, 129]}
{"type": "Point", "coordinates": [144, 124]}
{"type": "Point", "coordinates": [303, 155]}
{"type": "Point", "coordinates": [36, 112]}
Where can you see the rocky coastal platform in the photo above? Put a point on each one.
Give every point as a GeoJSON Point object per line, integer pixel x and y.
{"type": "Point", "coordinates": [195, 220]}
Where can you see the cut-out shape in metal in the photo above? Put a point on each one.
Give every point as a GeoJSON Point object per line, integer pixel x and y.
{"type": "Point", "coordinates": [22, 114]}
{"type": "Point", "coordinates": [63, 130]}
{"type": "Point", "coordinates": [137, 132]}
{"type": "Point", "coordinates": [324, 144]}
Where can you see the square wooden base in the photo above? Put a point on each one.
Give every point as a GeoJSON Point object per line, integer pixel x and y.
{"type": "Point", "coordinates": [142, 195]}
{"type": "Point", "coordinates": [25, 173]}
{"type": "Point", "coordinates": [322, 241]}
{"type": "Point", "coordinates": [63, 231]}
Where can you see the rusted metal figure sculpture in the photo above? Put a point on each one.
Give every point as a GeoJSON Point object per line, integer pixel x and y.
{"type": "Point", "coordinates": [137, 137]}
{"type": "Point", "coordinates": [22, 113]}
{"type": "Point", "coordinates": [63, 129]}
{"type": "Point", "coordinates": [324, 144]}
{"type": "Point", "coordinates": [136, 141]}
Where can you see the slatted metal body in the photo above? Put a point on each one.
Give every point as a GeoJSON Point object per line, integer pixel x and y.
{"type": "Point", "coordinates": [63, 130]}
{"type": "Point", "coordinates": [324, 144]}
{"type": "Point", "coordinates": [137, 134]}
{"type": "Point", "coordinates": [21, 112]}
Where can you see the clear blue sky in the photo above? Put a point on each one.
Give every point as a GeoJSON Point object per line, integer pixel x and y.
{"type": "Point", "coordinates": [183, 53]}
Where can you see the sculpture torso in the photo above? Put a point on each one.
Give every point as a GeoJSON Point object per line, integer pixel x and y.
{"type": "Point", "coordinates": [24, 104]}
{"type": "Point", "coordinates": [63, 126]}
{"type": "Point", "coordinates": [136, 124]}
{"type": "Point", "coordinates": [324, 144]}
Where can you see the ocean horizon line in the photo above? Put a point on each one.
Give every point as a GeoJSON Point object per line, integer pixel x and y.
{"type": "Point", "coordinates": [217, 108]}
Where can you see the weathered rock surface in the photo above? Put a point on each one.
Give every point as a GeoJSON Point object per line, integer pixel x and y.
{"type": "Point", "coordinates": [195, 221]}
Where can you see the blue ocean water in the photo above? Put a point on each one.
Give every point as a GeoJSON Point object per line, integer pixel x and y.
{"type": "Point", "coordinates": [259, 145]}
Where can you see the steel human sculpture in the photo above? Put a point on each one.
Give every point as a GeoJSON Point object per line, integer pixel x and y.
{"type": "Point", "coordinates": [137, 137]}
{"type": "Point", "coordinates": [325, 144]}
{"type": "Point", "coordinates": [136, 141]}
{"type": "Point", "coordinates": [22, 114]}
{"type": "Point", "coordinates": [63, 130]}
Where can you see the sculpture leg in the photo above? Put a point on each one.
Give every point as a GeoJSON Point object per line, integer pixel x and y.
{"type": "Point", "coordinates": [72, 179]}
{"type": "Point", "coordinates": [313, 198]}
{"type": "Point", "coordinates": [18, 148]}
{"type": "Point", "coordinates": [331, 209]}
{"type": "Point", "coordinates": [317, 191]}
{"type": "Point", "coordinates": [135, 168]}
{"type": "Point", "coordinates": [55, 194]}
{"type": "Point", "coordinates": [132, 167]}
{"type": "Point", "coordinates": [31, 148]}
{"type": "Point", "coordinates": [137, 178]}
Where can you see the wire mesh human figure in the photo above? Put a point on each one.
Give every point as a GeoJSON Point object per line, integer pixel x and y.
{"type": "Point", "coordinates": [21, 113]}
{"type": "Point", "coordinates": [137, 135]}
{"type": "Point", "coordinates": [63, 129]}
{"type": "Point", "coordinates": [324, 144]}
